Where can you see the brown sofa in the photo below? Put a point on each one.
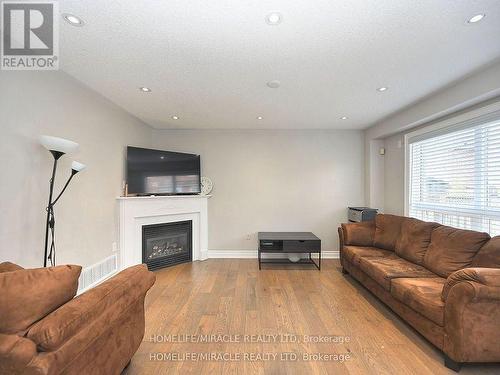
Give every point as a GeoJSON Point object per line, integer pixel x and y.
{"type": "Point", "coordinates": [44, 330]}
{"type": "Point", "coordinates": [443, 281]}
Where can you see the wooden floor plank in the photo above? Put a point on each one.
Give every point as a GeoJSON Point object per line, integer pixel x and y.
{"type": "Point", "coordinates": [232, 297]}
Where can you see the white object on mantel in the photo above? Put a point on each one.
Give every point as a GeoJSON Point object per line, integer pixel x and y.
{"type": "Point", "coordinates": [135, 212]}
{"type": "Point", "coordinates": [206, 185]}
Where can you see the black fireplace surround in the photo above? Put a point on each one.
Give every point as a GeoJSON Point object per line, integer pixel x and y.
{"type": "Point", "coordinates": [167, 244]}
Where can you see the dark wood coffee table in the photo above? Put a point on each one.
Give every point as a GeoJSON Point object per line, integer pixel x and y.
{"type": "Point", "coordinates": [289, 242]}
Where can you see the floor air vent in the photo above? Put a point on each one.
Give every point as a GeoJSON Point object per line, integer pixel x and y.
{"type": "Point", "coordinates": [96, 273]}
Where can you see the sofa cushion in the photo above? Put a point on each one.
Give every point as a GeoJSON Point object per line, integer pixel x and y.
{"type": "Point", "coordinates": [9, 267]}
{"type": "Point", "coordinates": [384, 269]}
{"type": "Point", "coordinates": [354, 253]}
{"type": "Point", "coordinates": [414, 239]}
{"type": "Point", "coordinates": [387, 229]}
{"type": "Point", "coordinates": [359, 234]}
{"type": "Point", "coordinates": [421, 294]}
{"type": "Point", "coordinates": [489, 255]}
{"type": "Point", "coordinates": [28, 295]}
{"type": "Point", "coordinates": [452, 249]}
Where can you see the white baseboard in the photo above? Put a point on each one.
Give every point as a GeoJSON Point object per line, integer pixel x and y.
{"type": "Point", "coordinates": [203, 254]}
{"type": "Point", "coordinates": [252, 254]}
{"type": "Point", "coordinates": [95, 274]}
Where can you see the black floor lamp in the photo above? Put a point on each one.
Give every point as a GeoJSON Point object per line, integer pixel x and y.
{"type": "Point", "coordinates": [57, 147]}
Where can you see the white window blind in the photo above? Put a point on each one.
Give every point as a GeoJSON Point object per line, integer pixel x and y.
{"type": "Point", "coordinates": [454, 176]}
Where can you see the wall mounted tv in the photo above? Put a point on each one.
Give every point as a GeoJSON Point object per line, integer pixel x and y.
{"type": "Point", "coordinates": [156, 172]}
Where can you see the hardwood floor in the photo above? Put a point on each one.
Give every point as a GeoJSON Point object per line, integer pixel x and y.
{"type": "Point", "coordinates": [232, 297]}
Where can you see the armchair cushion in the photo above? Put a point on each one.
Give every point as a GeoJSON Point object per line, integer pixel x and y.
{"type": "Point", "coordinates": [92, 309]}
{"type": "Point", "coordinates": [359, 234]}
{"type": "Point", "coordinates": [28, 295]}
{"type": "Point", "coordinates": [452, 249]}
{"type": "Point", "coordinates": [9, 267]}
{"type": "Point", "coordinates": [15, 353]}
{"type": "Point", "coordinates": [485, 276]}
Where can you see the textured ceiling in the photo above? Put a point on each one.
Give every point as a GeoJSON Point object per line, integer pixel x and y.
{"type": "Point", "coordinates": [208, 61]}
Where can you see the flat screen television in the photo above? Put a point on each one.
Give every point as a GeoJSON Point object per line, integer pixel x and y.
{"type": "Point", "coordinates": [156, 172]}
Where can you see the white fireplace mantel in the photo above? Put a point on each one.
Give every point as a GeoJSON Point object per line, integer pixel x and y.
{"type": "Point", "coordinates": [135, 212]}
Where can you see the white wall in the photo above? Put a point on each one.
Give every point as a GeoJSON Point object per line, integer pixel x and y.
{"type": "Point", "coordinates": [385, 183]}
{"type": "Point", "coordinates": [393, 173]}
{"type": "Point", "coordinates": [374, 169]}
{"type": "Point", "coordinates": [393, 165]}
{"type": "Point", "coordinates": [481, 86]}
{"type": "Point", "coordinates": [264, 180]}
{"type": "Point", "coordinates": [274, 181]}
{"type": "Point", "coordinates": [35, 103]}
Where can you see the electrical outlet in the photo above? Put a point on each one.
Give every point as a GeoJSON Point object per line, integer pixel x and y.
{"type": "Point", "coordinates": [249, 237]}
{"type": "Point", "coordinates": [114, 247]}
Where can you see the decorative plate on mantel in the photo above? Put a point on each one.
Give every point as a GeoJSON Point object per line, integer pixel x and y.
{"type": "Point", "coordinates": [206, 186]}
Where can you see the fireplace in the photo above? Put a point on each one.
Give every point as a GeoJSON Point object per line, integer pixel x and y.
{"type": "Point", "coordinates": [167, 244]}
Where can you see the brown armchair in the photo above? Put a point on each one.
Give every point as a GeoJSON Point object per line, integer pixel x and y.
{"type": "Point", "coordinates": [97, 332]}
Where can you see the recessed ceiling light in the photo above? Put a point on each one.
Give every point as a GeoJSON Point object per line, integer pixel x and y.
{"type": "Point", "coordinates": [274, 84]}
{"type": "Point", "coordinates": [175, 117]}
{"type": "Point", "coordinates": [274, 18]}
{"type": "Point", "coordinates": [72, 19]}
{"type": "Point", "coordinates": [145, 89]}
{"type": "Point", "coordinates": [382, 89]}
{"type": "Point", "coordinates": [260, 118]}
{"type": "Point", "coordinates": [476, 18]}
{"type": "Point", "coordinates": [344, 118]}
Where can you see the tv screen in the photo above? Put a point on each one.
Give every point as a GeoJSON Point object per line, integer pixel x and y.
{"type": "Point", "coordinates": [162, 172]}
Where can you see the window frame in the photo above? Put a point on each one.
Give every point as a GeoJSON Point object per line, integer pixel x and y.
{"type": "Point", "coordinates": [456, 122]}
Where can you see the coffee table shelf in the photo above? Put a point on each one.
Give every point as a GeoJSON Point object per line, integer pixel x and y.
{"type": "Point", "coordinates": [289, 242]}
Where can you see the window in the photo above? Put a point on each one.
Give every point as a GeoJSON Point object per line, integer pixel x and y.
{"type": "Point", "coordinates": [454, 175]}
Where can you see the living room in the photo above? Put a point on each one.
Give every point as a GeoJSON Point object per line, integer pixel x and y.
{"type": "Point", "coordinates": [306, 187]}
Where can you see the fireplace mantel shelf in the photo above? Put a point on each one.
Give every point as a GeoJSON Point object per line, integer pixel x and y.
{"type": "Point", "coordinates": [164, 197]}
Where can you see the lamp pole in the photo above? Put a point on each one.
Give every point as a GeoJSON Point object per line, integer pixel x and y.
{"type": "Point", "coordinates": [57, 155]}
{"type": "Point", "coordinates": [57, 147]}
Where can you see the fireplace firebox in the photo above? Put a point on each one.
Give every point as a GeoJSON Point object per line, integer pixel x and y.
{"type": "Point", "coordinates": [167, 244]}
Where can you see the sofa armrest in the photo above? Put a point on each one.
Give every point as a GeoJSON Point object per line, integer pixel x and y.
{"type": "Point", "coordinates": [104, 303]}
{"type": "Point", "coordinates": [483, 276]}
{"type": "Point", "coordinates": [472, 315]}
{"type": "Point", "coordinates": [341, 238]}
{"type": "Point", "coordinates": [15, 353]}
{"type": "Point", "coordinates": [359, 234]}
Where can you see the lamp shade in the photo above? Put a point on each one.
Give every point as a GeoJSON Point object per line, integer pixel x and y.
{"type": "Point", "coordinates": [58, 144]}
{"type": "Point", "coordinates": [77, 167]}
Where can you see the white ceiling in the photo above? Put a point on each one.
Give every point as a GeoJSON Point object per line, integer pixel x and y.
{"type": "Point", "coordinates": [208, 61]}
